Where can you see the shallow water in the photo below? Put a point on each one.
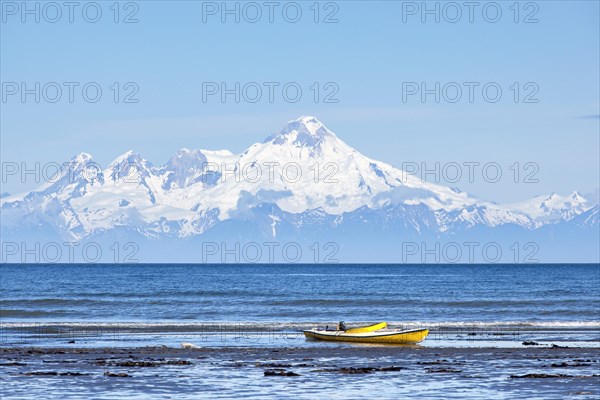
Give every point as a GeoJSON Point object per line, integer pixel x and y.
{"type": "Point", "coordinates": [333, 372]}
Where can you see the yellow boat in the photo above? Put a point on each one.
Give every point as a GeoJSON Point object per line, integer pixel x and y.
{"type": "Point", "coordinates": [370, 328]}
{"type": "Point", "coordinates": [385, 336]}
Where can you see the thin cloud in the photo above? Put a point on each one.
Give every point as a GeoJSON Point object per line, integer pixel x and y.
{"type": "Point", "coordinates": [593, 116]}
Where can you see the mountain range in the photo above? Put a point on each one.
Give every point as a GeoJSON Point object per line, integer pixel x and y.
{"type": "Point", "coordinates": [303, 188]}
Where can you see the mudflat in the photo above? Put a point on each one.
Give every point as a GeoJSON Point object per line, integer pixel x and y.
{"type": "Point", "coordinates": [300, 372]}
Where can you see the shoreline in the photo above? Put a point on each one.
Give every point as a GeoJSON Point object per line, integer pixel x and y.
{"type": "Point", "coordinates": [280, 335]}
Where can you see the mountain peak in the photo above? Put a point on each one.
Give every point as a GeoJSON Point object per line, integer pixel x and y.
{"type": "Point", "coordinates": [184, 164]}
{"type": "Point", "coordinates": [186, 153]}
{"type": "Point", "coordinates": [128, 164]}
{"type": "Point", "coordinates": [81, 159]}
{"type": "Point", "coordinates": [130, 154]}
{"type": "Point", "coordinates": [577, 196]}
{"type": "Point", "coordinates": [308, 123]}
{"type": "Point", "coordinates": [308, 120]}
{"type": "Point", "coordinates": [306, 131]}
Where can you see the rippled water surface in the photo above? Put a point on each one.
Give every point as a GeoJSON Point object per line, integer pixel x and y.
{"type": "Point", "coordinates": [294, 293]}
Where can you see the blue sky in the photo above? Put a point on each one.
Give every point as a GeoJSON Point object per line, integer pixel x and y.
{"type": "Point", "coordinates": [368, 54]}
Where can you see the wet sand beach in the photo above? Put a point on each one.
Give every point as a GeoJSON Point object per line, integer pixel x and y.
{"type": "Point", "coordinates": [347, 371]}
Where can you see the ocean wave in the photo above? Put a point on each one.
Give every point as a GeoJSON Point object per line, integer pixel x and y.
{"type": "Point", "coordinates": [369, 302]}
{"type": "Point", "coordinates": [51, 302]}
{"type": "Point", "coordinates": [29, 314]}
{"type": "Point", "coordinates": [229, 326]}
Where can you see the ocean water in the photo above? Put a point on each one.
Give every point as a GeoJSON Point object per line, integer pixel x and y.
{"type": "Point", "coordinates": [168, 303]}
{"type": "Point", "coordinates": [86, 320]}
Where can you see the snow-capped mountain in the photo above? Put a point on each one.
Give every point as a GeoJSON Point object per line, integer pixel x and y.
{"type": "Point", "coordinates": [552, 208]}
{"type": "Point", "coordinates": [302, 176]}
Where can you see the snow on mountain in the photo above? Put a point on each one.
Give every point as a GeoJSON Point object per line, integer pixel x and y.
{"type": "Point", "coordinates": [306, 166]}
{"type": "Point", "coordinates": [553, 207]}
{"type": "Point", "coordinates": [587, 219]}
{"type": "Point", "coordinates": [184, 168]}
{"type": "Point", "coordinates": [304, 170]}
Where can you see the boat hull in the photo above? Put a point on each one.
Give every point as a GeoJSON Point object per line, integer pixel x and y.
{"type": "Point", "coordinates": [393, 337]}
{"type": "Point", "coordinates": [370, 328]}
